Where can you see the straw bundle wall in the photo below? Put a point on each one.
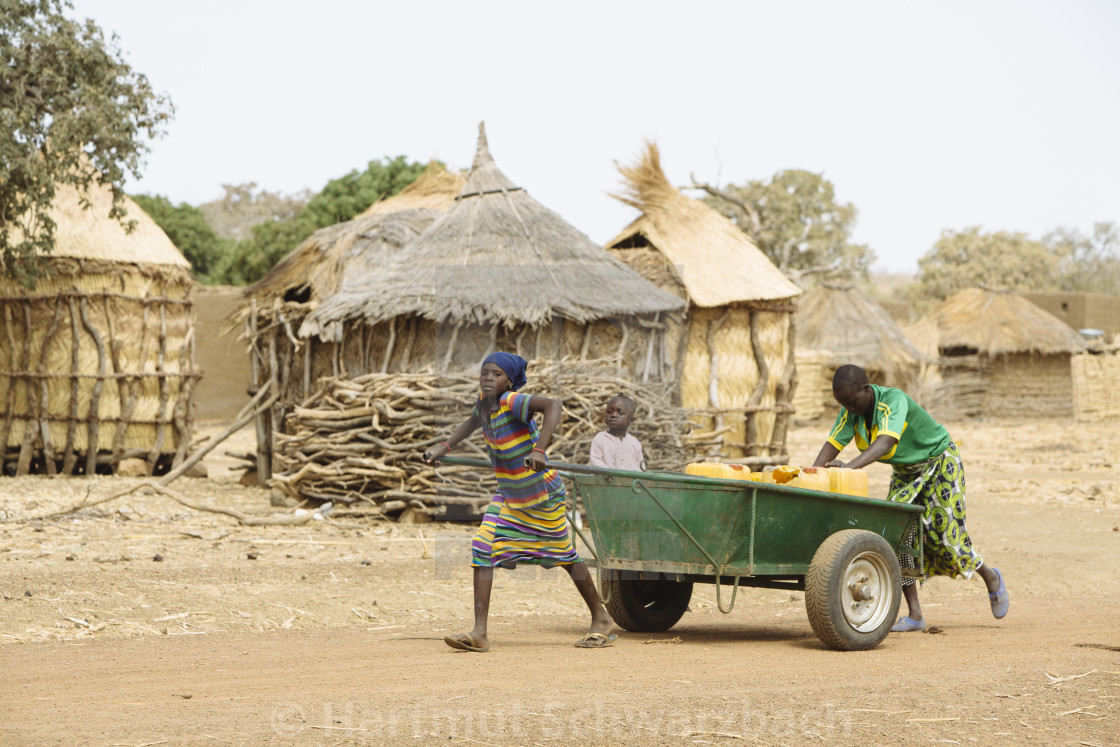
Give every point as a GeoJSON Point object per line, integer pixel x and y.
{"type": "Point", "coordinates": [1096, 387]}
{"type": "Point", "coordinates": [813, 399]}
{"type": "Point", "coordinates": [724, 394]}
{"type": "Point", "coordinates": [99, 353]}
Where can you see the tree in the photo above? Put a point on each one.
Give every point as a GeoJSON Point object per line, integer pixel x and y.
{"type": "Point", "coordinates": [340, 200]}
{"type": "Point", "coordinates": [968, 258]}
{"type": "Point", "coordinates": [187, 228]}
{"type": "Point", "coordinates": [71, 112]}
{"type": "Point", "coordinates": [345, 197]}
{"type": "Point", "coordinates": [1087, 263]}
{"type": "Point", "coordinates": [795, 220]}
{"type": "Point", "coordinates": [244, 206]}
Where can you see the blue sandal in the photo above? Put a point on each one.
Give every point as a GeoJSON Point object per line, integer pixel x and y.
{"type": "Point", "coordinates": [908, 625]}
{"type": "Point", "coordinates": [1001, 600]}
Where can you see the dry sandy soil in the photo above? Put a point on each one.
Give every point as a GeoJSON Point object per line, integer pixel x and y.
{"type": "Point", "coordinates": [142, 622]}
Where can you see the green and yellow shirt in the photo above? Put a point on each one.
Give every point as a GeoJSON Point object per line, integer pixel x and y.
{"type": "Point", "coordinates": [920, 437]}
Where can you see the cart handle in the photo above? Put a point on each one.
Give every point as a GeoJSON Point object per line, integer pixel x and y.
{"type": "Point", "coordinates": [718, 569]}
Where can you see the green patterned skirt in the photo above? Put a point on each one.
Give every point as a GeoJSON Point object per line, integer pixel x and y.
{"type": "Point", "coordinates": [937, 485]}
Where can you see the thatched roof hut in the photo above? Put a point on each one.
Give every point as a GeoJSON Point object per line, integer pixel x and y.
{"type": "Point", "coordinates": [836, 324]}
{"type": "Point", "coordinates": [736, 350]}
{"type": "Point", "coordinates": [98, 364]}
{"type": "Point", "coordinates": [998, 355]}
{"type": "Point", "coordinates": [497, 270]}
{"type": "Point", "coordinates": [315, 269]}
{"type": "Point", "coordinates": [276, 307]}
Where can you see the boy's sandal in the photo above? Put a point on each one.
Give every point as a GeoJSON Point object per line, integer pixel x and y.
{"type": "Point", "coordinates": [595, 640]}
{"type": "Point", "coordinates": [908, 625]}
{"type": "Point", "coordinates": [464, 642]}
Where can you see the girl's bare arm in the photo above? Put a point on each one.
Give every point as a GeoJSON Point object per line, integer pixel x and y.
{"type": "Point", "coordinates": [552, 410]}
{"type": "Point", "coordinates": [469, 426]}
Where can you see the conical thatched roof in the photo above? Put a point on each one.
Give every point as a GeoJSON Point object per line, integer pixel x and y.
{"type": "Point", "coordinates": [498, 256]}
{"type": "Point", "coordinates": [994, 322]}
{"type": "Point", "coordinates": [92, 234]}
{"type": "Point", "coordinates": [717, 263]}
{"type": "Point", "coordinates": [316, 268]}
{"type": "Point", "coordinates": [841, 319]}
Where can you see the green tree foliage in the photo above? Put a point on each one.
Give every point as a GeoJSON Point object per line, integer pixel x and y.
{"type": "Point", "coordinates": [968, 258]}
{"type": "Point", "coordinates": [71, 112]}
{"type": "Point", "coordinates": [1087, 263]}
{"type": "Point", "coordinates": [794, 218]}
{"type": "Point", "coordinates": [340, 200]}
{"type": "Point", "coordinates": [187, 228]}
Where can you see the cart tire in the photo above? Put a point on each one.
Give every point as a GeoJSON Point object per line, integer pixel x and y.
{"type": "Point", "coordinates": [853, 590]}
{"type": "Point", "coordinates": [646, 606]}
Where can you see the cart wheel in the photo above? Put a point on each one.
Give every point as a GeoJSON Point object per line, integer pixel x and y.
{"type": "Point", "coordinates": [853, 590]}
{"type": "Point", "coordinates": [646, 606]}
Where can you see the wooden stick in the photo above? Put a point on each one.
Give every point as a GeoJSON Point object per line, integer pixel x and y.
{"type": "Point", "coordinates": [161, 411]}
{"type": "Point", "coordinates": [44, 391]}
{"type": "Point", "coordinates": [9, 408]}
{"type": "Point", "coordinates": [760, 388]}
{"type": "Point", "coordinates": [30, 427]}
{"type": "Point", "coordinates": [94, 414]}
{"type": "Point", "coordinates": [69, 456]}
{"type": "Point", "coordinates": [389, 345]}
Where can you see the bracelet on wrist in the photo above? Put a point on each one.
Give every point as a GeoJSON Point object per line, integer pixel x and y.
{"type": "Point", "coordinates": [541, 451]}
{"type": "Point", "coordinates": [444, 443]}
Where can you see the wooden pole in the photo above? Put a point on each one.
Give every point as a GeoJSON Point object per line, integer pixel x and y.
{"type": "Point", "coordinates": [264, 451]}
{"type": "Point", "coordinates": [161, 369]}
{"type": "Point", "coordinates": [787, 387]}
{"type": "Point", "coordinates": [389, 345]}
{"type": "Point", "coordinates": [451, 348]}
{"type": "Point", "coordinates": [751, 436]}
{"type": "Point", "coordinates": [69, 457]}
{"type": "Point", "coordinates": [44, 390]}
{"type": "Point", "coordinates": [135, 386]}
{"type": "Point", "coordinates": [30, 426]}
{"type": "Point", "coordinates": [94, 415]}
{"type": "Point", "coordinates": [6, 429]}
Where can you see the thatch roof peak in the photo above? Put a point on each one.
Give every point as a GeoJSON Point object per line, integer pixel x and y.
{"type": "Point", "coordinates": [719, 264]}
{"type": "Point", "coordinates": [995, 322]}
{"type": "Point", "coordinates": [497, 257]}
{"type": "Point", "coordinates": [485, 177]}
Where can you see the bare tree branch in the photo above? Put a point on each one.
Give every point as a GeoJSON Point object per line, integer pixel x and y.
{"type": "Point", "coordinates": [788, 246]}
{"type": "Point", "coordinates": [746, 207]}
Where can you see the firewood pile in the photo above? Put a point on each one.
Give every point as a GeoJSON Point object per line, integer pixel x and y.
{"type": "Point", "coordinates": [361, 439]}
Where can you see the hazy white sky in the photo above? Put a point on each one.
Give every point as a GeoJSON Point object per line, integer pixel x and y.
{"type": "Point", "coordinates": [926, 116]}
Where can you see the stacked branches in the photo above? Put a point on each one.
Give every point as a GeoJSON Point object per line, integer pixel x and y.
{"type": "Point", "coordinates": [362, 439]}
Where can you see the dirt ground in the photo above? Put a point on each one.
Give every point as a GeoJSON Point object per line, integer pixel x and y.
{"type": "Point", "coordinates": [143, 622]}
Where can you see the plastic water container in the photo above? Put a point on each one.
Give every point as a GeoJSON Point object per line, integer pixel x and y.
{"type": "Point", "coordinates": [847, 481]}
{"type": "Point", "coordinates": [813, 478]}
{"type": "Point", "coordinates": [719, 470]}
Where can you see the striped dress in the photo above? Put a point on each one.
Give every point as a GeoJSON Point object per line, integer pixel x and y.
{"type": "Point", "coordinates": [525, 521]}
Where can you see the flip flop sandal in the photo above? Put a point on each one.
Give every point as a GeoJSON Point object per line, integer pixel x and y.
{"type": "Point", "coordinates": [595, 640]}
{"type": "Point", "coordinates": [467, 645]}
{"type": "Point", "coordinates": [908, 625]}
{"type": "Point", "coordinates": [1001, 600]}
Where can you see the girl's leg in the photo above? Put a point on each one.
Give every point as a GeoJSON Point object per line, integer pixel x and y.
{"type": "Point", "coordinates": [600, 621]}
{"type": "Point", "coordinates": [483, 584]}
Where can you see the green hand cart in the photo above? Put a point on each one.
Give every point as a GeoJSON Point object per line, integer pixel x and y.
{"type": "Point", "coordinates": [655, 534]}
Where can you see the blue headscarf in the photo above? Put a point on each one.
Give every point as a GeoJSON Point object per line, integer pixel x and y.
{"type": "Point", "coordinates": [513, 365]}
